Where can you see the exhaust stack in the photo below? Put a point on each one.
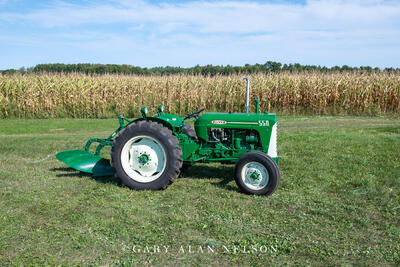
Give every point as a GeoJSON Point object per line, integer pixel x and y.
{"type": "Point", "coordinates": [247, 93]}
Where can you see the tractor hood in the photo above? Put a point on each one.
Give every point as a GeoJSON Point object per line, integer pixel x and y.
{"type": "Point", "coordinates": [261, 122]}
{"type": "Point", "coordinates": [242, 120]}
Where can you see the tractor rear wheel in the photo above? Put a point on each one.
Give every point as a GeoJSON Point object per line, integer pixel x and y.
{"type": "Point", "coordinates": [146, 156]}
{"type": "Point", "coordinates": [257, 173]}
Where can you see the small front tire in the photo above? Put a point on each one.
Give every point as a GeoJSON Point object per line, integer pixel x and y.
{"type": "Point", "coordinates": [256, 173]}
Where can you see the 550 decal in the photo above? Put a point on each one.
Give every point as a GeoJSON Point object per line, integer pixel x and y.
{"type": "Point", "coordinates": [263, 123]}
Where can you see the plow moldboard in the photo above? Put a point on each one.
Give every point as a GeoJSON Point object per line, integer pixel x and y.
{"type": "Point", "coordinates": [85, 161]}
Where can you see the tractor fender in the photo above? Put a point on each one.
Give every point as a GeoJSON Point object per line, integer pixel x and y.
{"type": "Point", "coordinates": [175, 128]}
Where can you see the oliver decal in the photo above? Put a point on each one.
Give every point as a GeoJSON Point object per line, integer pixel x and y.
{"type": "Point", "coordinates": [218, 122]}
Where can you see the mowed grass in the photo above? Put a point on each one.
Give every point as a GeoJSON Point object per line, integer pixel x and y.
{"type": "Point", "coordinates": [338, 201]}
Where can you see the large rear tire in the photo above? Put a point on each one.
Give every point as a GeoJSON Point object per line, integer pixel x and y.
{"type": "Point", "coordinates": [146, 156]}
{"type": "Point", "coordinates": [257, 173]}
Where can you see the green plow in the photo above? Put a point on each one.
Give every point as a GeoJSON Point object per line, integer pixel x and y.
{"type": "Point", "coordinates": [85, 161]}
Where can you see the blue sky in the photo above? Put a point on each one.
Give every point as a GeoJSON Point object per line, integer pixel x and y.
{"type": "Point", "coordinates": [186, 33]}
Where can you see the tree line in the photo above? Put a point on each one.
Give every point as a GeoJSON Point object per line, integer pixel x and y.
{"type": "Point", "coordinates": [207, 70]}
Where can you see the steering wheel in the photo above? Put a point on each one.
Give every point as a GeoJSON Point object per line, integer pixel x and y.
{"type": "Point", "coordinates": [194, 114]}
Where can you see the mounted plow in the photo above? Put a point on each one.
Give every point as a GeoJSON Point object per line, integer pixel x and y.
{"type": "Point", "coordinates": [86, 161]}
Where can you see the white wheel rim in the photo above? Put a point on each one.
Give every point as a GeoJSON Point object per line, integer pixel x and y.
{"type": "Point", "coordinates": [143, 159]}
{"type": "Point", "coordinates": [255, 175]}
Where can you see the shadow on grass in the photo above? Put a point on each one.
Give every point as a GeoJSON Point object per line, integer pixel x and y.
{"type": "Point", "coordinates": [205, 171]}
{"type": "Point", "coordinates": [69, 172]}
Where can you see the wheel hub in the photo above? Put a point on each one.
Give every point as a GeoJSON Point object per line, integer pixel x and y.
{"type": "Point", "coordinates": [255, 175]}
{"type": "Point", "coordinates": [144, 158]}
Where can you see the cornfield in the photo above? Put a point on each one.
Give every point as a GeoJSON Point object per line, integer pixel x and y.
{"type": "Point", "coordinates": [82, 96]}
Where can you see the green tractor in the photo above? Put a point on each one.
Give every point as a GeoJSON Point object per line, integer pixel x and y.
{"type": "Point", "coordinates": [150, 152]}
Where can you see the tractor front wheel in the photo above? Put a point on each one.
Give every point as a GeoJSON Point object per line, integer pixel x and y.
{"type": "Point", "coordinates": [256, 173]}
{"type": "Point", "coordinates": [146, 156]}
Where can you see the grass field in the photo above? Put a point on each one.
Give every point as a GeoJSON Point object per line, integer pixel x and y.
{"type": "Point", "coordinates": [338, 201]}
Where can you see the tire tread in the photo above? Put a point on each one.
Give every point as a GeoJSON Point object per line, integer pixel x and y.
{"type": "Point", "coordinates": [163, 133]}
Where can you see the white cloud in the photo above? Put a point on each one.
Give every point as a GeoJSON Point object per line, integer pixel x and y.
{"type": "Point", "coordinates": [225, 32]}
{"type": "Point", "coordinates": [232, 17]}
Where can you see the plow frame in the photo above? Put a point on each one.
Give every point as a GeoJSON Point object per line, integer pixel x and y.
{"type": "Point", "coordinates": [103, 142]}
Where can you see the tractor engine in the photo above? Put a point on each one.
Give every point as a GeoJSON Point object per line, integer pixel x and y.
{"type": "Point", "coordinates": [224, 136]}
{"type": "Point", "coordinates": [235, 138]}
